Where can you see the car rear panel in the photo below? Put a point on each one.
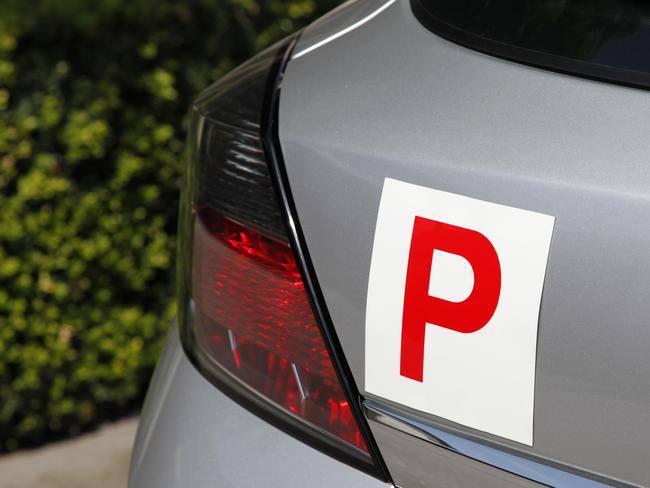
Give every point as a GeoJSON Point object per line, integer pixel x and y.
{"type": "Point", "coordinates": [388, 98]}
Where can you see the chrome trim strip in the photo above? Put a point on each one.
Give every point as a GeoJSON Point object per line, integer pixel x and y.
{"type": "Point", "coordinates": [497, 457]}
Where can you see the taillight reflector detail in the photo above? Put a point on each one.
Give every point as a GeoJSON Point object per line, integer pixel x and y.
{"type": "Point", "coordinates": [254, 318]}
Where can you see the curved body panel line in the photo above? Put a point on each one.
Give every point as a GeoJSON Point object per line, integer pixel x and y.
{"type": "Point", "coordinates": [501, 458]}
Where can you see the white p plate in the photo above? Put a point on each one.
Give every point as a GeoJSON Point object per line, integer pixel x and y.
{"type": "Point", "coordinates": [453, 305]}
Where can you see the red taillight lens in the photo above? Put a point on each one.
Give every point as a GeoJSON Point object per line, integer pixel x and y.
{"type": "Point", "coordinates": [246, 318]}
{"type": "Point", "coordinates": [253, 317]}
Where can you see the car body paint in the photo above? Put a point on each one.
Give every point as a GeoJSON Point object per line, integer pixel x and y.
{"type": "Point", "coordinates": [391, 99]}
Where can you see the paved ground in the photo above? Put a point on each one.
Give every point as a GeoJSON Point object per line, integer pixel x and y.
{"type": "Point", "coordinates": [96, 460]}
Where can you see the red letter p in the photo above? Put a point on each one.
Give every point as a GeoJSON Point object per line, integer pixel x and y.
{"type": "Point", "coordinates": [420, 308]}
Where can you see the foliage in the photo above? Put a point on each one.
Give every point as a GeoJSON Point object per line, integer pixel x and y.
{"type": "Point", "coordinates": [93, 112]}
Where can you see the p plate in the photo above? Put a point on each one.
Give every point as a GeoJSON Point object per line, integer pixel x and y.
{"type": "Point", "coordinates": [453, 304]}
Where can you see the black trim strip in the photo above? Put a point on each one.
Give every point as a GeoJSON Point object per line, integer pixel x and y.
{"type": "Point", "coordinates": [271, 144]}
{"type": "Point", "coordinates": [537, 59]}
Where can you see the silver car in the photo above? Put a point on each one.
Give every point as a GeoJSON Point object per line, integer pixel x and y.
{"type": "Point", "coordinates": [415, 251]}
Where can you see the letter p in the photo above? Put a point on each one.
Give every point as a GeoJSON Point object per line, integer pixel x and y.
{"type": "Point", "coordinates": [420, 309]}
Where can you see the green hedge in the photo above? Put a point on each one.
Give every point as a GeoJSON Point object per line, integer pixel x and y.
{"type": "Point", "coordinates": [93, 112]}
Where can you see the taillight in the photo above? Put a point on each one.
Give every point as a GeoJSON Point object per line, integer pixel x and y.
{"type": "Point", "coordinates": [247, 320]}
